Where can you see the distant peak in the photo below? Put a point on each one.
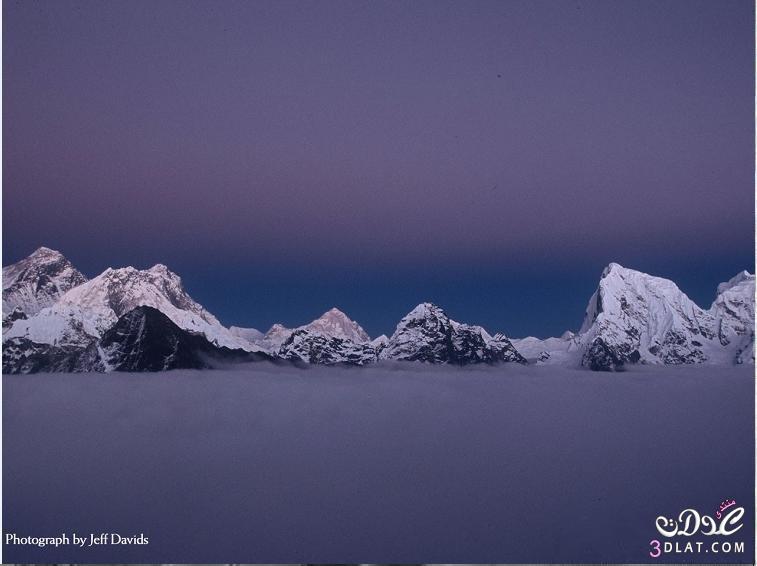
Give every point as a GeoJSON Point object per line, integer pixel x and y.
{"type": "Point", "coordinates": [276, 328]}
{"type": "Point", "coordinates": [130, 271]}
{"type": "Point", "coordinates": [612, 266]}
{"type": "Point", "coordinates": [735, 280]}
{"type": "Point", "coordinates": [44, 251]}
{"type": "Point", "coordinates": [332, 312]}
{"type": "Point", "coordinates": [335, 323]}
{"type": "Point", "coordinates": [161, 269]}
{"type": "Point", "coordinates": [383, 339]}
{"type": "Point", "coordinates": [118, 271]}
{"type": "Point", "coordinates": [425, 309]}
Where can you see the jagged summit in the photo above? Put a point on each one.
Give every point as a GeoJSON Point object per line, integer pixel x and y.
{"type": "Point", "coordinates": [733, 310]}
{"type": "Point", "coordinates": [425, 310]}
{"type": "Point", "coordinates": [336, 324]}
{"type": "Point", "coordinates": [118, 291]}
{"type": "Point", "coordinates": [52, 314]}
{"type": "Point", "coordinates": [37, 281]}
{"type": "Point", "coordinates": [85, 312]}
{"type": "Point", "coordinates": [332, 324]}
{"type": "Point", "coordinates": [427, 334]}
{"type": "Point", "coordinates": [635, 317]}
{"type": "Point", "coordinates": [743, 276]}
{"type": "Point", "coordinates": [318, 348]}
{"type": "Point", "coordinates": [612, 266]}
{"type": "Point", "coordinates": [619, 287]}
{"type": "Point", "coordinates": [45, 251]}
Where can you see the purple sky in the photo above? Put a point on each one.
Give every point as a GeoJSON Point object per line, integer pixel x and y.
{"type": "Point", "coordinates": [302, 149]}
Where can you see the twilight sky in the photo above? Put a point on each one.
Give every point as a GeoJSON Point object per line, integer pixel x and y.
{"type": "Point", "coordinates": [285, 157]}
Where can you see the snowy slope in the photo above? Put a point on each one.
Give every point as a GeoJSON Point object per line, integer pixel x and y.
{"type": "Point", "coordinates": [733, 310]}
{"type": "Point", "coordinates": [37, 281]}
{"type": "Point", "coordinates": [634, 317]}
{"type": "Point", "coordinates": [275, 337]}
{"type": "Point", "coordinates": [250, 334]}
{"type": "Point", "coordinates": [637, 318]}
{"type": "Point", "coordinates": [50, 311]}
{"type": "Point", "coordinates": [563, 350]}
{"type": "Point", "coordinates": [87, 311]}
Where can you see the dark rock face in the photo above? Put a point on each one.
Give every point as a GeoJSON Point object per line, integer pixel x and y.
{"type": "Point", "coordinates": [316, 348]}
{"type": "Point", "coordinates": [504, 351]}
{"type": "Point", "coordinates": [425, 335]}
{"type": "Point", "coordinates": [144, 339]}
{"type": "Point", "coordinates": [21, 355]}
{"type": "Point", "coordinates": [428, 335]}
{"type": "Point", "coordinates": [471, 345]}
{"type": "Point", "coordinates": [16, 314]}
{"type": "Point", "coordinates": [601, 356]}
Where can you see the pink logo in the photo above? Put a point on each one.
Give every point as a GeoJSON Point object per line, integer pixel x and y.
{"type": "Point", "coordinates": [690, 522]}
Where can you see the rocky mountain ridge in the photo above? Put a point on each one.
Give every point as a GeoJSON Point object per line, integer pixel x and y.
{"type": "Point", "coordinates": [634, 317]}
{"type": "Point", "coordinates": [37, 282]}
{"type": "Point", "coordinates": [126, 319]}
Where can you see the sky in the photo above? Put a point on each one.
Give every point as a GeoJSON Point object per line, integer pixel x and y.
{"type": "Point", "coordinates": [287, 157]}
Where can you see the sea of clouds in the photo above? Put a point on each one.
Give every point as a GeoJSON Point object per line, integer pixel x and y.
{"type": "Point", "coordinates": [397, 463]}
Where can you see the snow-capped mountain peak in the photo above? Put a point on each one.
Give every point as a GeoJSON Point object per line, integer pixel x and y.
{"type": "Point", "coordinates": [331, 324]}
{"type": "Point", "coordinates": [53, 318]}
{"type": "Point", "coordinates": [733, 310]}
{"type": "Point", "coordinates": [37, 281]}
{"type": "Point", "coordinates": [87, 311]}
{"type": "Point", "coordinates": [635, 317]}
{"type": "Point", "coordinates": [620, 289]}
{"type": "Point", "coordinates": [161, 268]}
{"type": "Point", "coordinates": [425, 311]}
{"type": "Point", "coordinates": [275, 337]}
{"type": "Point", "coordinates": [739, 278]}
{"type": "Point", "coordinates": [118, 291]}
{"type": "Point", "coordinates": [336, 324]}
{"type": "Point", "coordinates": [427, 334]}
{"type": "Point", "coordinates": [332, 338]}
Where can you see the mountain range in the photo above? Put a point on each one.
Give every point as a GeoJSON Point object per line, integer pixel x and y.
{"type": "Point", "coordinates": [126, 319]}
